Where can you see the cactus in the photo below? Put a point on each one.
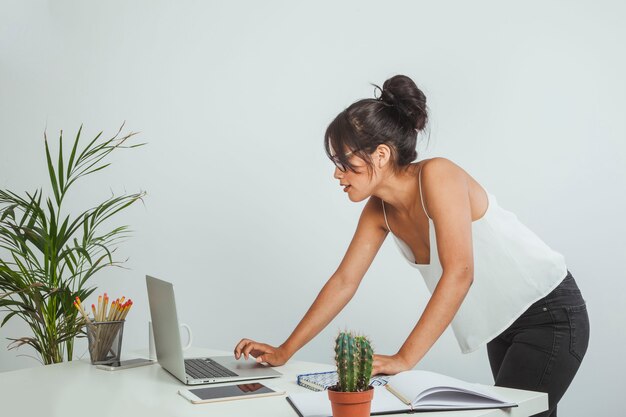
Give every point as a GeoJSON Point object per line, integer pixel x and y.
{"type": "Point", "coordinates": [354, 356]}
{"type": "Point", "coordinates": [367, 357]}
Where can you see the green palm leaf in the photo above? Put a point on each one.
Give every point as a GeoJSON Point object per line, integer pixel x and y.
{"type": "Point", "coordinates": [47, 256]}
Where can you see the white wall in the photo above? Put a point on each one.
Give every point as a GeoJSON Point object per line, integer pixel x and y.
{"type": "Point", "coordinates": [242, 212]}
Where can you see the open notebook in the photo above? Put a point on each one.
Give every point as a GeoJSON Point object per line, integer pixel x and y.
{"type": "Point", "coordinates": [410, 391]}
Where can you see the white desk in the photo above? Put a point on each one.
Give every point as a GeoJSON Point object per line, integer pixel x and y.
{"type": "Point", "coordinates": [79, 389]}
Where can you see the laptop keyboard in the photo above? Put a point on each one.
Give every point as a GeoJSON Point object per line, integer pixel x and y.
{"type": "Point", "coordinates": [206, 368]}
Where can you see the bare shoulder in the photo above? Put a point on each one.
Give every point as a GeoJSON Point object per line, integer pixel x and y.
{"type": "Point", "coordinates": [440, 172]}
{"type": "Point", "coordinates": [444, 188]}
{"type": "Point", "coordinates": [446, 185]}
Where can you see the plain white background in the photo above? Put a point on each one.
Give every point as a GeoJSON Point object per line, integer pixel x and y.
{"type": "Point", "coordinates": [242, 212]}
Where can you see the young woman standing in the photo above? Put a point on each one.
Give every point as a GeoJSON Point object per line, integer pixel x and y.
{"type": "Point", "coordinates": [490, 277]}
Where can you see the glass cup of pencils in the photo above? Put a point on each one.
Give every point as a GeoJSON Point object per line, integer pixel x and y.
{"type": "Point", "coordinates": [105, 329]}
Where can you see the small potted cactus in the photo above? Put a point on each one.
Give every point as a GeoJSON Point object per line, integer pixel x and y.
{"type": "Point", "coordinates": [352, 396]}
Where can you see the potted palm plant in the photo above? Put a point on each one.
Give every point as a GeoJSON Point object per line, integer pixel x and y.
{"type": "Point", "coordinates": [47, 257]}
{"type": "Point", "coordinates": [352, 396]}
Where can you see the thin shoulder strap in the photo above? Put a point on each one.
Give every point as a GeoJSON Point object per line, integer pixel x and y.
{"type": "Point", "coordinates": [385, 214]}
{"type": "Point", "coordinates": [422, 194]}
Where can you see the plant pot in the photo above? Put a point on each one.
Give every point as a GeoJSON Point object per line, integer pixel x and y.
{"type": "Point", "coordinates": [351, 404]}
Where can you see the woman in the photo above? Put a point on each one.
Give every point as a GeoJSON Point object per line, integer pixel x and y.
{"type": "Point", "coordinates": [490, 277]}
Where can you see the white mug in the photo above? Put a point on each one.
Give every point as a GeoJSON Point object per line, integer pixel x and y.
{"type": "Point", "coordinates": [151, 348]}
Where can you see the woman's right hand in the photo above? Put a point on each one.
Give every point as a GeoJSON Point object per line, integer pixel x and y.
{"type": "Point", "coordinates": [274, 356]}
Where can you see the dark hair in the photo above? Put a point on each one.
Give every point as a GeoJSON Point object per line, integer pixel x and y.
{"type": "Point", "coordinates": [394, 119]}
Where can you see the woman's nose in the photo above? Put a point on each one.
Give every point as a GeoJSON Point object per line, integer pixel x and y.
{"type": "Point", "coordinates": [338, 174]}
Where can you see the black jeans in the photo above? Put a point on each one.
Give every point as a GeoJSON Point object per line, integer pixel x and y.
{"type": "Point", "coordinates": [543, 348]}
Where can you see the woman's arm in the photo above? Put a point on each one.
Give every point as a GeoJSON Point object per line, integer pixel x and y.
{"type": "Point", "coordinates": [445, 190]}
{"type": "Point", "coordinates": [333, 297]}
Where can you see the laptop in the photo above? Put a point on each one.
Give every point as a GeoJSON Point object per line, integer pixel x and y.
{"type": "Point", "coordinates": [192, 371]}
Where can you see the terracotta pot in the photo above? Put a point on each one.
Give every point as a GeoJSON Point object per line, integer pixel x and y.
{"type": "Point", "coordinates": [351, 404]}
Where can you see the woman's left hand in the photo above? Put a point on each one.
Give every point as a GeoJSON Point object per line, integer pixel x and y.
{"type": "Point", "coordinates": [389, 365]}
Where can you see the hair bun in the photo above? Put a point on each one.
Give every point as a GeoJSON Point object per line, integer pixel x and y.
{"type": "Point", "coordinates": [402, 93]}
{"type": "Point", "coordinates": [387, 97]}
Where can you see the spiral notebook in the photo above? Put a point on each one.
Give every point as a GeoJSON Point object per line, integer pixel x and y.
{"type": "Point", "coordinates": [319, 381]}
{"type": "Point", "coordinates": [408, 392]}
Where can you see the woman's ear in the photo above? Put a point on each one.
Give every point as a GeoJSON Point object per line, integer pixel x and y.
{"type": "Point", "coordinates": [382, 155]}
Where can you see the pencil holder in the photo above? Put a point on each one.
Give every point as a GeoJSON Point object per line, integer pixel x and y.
{"type": "Point", "coordinates": [105, 341]}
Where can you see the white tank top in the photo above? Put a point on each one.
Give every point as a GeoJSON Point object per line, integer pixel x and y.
{"type": "Point", "coordinates": [513, 268]}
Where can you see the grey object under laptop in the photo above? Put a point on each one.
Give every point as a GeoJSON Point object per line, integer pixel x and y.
{"type": "Point", "coordinates": [193, 371]}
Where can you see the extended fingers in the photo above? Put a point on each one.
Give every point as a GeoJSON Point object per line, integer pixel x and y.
{"type": "Point", "coordinates": [374, 368]}
{"type": "Point", "coordinates": [380, 365]}
{"type": "Point", "coordinates": [248, 348]}
{"type": "Point", "coordinates": [375, 365]}
{"type": "Point", "coordinates": [256, 349]}
{"type": "Point", "coordinates": [241, 346]}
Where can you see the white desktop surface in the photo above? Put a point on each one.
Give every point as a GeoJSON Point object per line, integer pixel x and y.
{"type": "Point", "coordinates": [78, 388]}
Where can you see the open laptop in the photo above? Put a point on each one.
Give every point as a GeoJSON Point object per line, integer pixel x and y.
{"type": "Point", "coordinates": [193, 371]}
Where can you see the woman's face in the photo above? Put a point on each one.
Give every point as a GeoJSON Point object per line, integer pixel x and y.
{"type": "Point", "coordinates": [359, 184]}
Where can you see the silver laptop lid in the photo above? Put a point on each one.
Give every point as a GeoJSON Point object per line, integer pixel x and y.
{"type": "Point", "coordinates": [165, 326]}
